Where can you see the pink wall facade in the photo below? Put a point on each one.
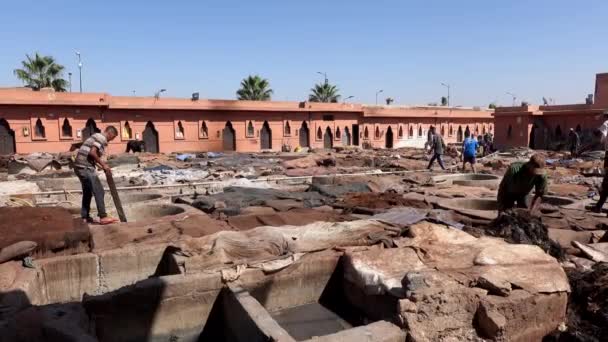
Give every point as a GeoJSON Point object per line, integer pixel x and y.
{"type": "Point", "coordinates": [183, 125]}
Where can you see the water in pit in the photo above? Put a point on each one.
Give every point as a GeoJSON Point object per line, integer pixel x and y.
{"type": "Point", "coordinates": [306, 321]}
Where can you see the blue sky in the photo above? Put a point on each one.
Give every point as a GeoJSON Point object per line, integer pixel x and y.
{"type": "Point", "coordinates": [407, 48]}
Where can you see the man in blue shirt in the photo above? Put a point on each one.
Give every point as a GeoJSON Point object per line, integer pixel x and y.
{"type": "Point", "coordinates": [469, 151]}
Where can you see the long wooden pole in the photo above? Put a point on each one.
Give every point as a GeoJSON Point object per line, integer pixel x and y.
{"type": "Point", "coordinates": [115, 197]}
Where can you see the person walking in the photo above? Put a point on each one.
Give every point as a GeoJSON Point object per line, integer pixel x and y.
{"type": "Point", "coordinates": [469, 152]}
{"type": "Point", "coordinates": [88, 158]}
{"type": "Point", "coordinates": [574, 142]}
{"type": "Point", "coordinates": [437, 148]}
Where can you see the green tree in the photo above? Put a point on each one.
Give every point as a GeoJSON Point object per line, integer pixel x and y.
{"type": "Point", "coordinates": [41, 72]}
{"type": "Point", "coordinates": [254, 88]}
{"type": "Point", "coordinates": [324, 92]}
{"type": "Point", "coordinates": [492, 105]}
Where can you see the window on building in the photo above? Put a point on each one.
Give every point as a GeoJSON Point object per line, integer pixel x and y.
{"type": "Point", "coordinates": [509, 132]}
{"type": "Point", "coordinates": [484, 130]}
{"type": "Point", "coordinates": [250, 130]}
{"type": "Point", "coordinates": [451, 131]}
{"type": "Point", "coordinates": [420, 131]}
{"type": "Point", "coordinates": [39, 130]}
{"type": "Point", "coordinates": [411, 132]}
{"type": "Point", "coordinates": [491, 129]}
{"type": "Point", "coordinates": [338, 133]}
{"type": "Point", "coordinates": [287, 128]}
{"type": "Point", "coordinates": [319, 133]}
{"type": "Point", "coordinates": [179, 130]}
{"type": "Point", "coordinates": [400, 131]}
{"type": "Point", "coordinates": [204, 130]}
{"type": "Point", "coordinates": [127, 132]}
{"type": "Point", "coordinates": [443, 130]}
{"type": "Point", "coordinates": [365, 133]}
{"type": "Point", "coordinates": [66, 129]}
{"type": "Point", "coordinates": [467, 131]}
{"type": "Point", "coordinates": [377, 133]}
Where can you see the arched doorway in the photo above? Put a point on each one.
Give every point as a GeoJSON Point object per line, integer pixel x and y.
{"type": "Point", "coordinates": [388, 143]}
{"type": "Point", "coordinates": [459, 134]}
{"type": "Point", "coordinates": [328, 139]}
{"type": "Point", "coordinates": [266, 137]}
{"type": "Point", "coordinates": [90, 128]}
{"type": "Point", "coordinates": [467, 131]}
{"type": "Point", "coordinates": [346, 137]}
{"type": "Point", "coordinates": [150, 138]}
{"type": "Point", "coordinates": [229, 138]}
{"type": "Point", "coordinates": [532, 143]}
{"type": "Point", "coordinates": [304, 135]}
{"type": "Point", "coordinates": [66, 129]}
{"type": "Point", "coordinates": [7, 138]}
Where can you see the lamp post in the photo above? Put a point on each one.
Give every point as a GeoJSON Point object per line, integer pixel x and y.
{"type": "Point", "coordinates": [79, 69]}
{"type": "Point", "coordinates": [70, 80]}
{"type": "Point", "coordinates": [324, 75]}
{"type": "Point", "coordinates": [378, 92]}
{"type": "Point", "coordinates": [157, 94]}
{"type": "Point", "coordinates": [347, 98]}
{"type": "Point", "coordinates": [513, 96]}
{"type": "Point", "coordinates": [447, 86]}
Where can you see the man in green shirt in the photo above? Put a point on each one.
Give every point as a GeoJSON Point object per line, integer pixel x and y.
{"type": "Point", "coordinates": [519, 180]}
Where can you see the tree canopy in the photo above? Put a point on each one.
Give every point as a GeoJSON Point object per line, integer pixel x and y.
{"type": "Point", "coordinates": [324, 92]}
{"type": "Point", "coordinates": [41, 72]}
{"type": "Point", "coordinates": [254, 88]}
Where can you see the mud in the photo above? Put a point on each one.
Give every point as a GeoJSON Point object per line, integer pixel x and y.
{"type": "Point", "coordinates": [383, 200]}
{"type": "Point", "coordinates": [518, 226]}
{"type": "Point", "coordinates": [50, 228]}
{"type": "Point", "coordinates": [587, 307]}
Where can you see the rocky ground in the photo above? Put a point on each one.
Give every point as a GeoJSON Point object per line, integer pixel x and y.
{"type": "Point", "coordinates": [225, 213]}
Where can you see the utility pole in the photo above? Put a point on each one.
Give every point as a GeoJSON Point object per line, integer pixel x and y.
{"type": "Point", "coordinates": [513, 96]}
{"type": "Point", "coordinates": [378, 92]}
{"type": "Point", "coordinates": [447, 86]}
{"type": "Point", "coordinates": [79, 69]}
{"type": "Point", "coordinates": [324, 75]}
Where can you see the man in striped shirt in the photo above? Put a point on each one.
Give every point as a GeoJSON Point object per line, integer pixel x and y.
{"type": "Point", "coordinates": [87, 159]}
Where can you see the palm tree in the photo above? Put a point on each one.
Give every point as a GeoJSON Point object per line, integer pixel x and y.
{"type": "Point", "coordinates": [324, 92]}
{"type": "Point", "coordinates": [41, 72]}
{"type": "Point", "coordinates": [254, 88]}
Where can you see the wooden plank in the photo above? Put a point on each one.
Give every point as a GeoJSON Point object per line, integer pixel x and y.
{"type": "Point", "coordinates": [114, 192]}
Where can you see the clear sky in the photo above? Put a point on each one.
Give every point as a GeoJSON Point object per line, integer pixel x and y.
{"type": "Point", "coordinates": [532, 48]}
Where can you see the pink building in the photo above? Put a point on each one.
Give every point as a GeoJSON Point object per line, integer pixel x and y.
{"type": "Point", "coordinates": [543, 127]}
{"type": "Point", "coordinates": [47, 121]}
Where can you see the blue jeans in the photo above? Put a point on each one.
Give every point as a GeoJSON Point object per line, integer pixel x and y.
{"type": "Point", "coordinates": [439, 160]}
{"type": "Point", "coordinates": [91, 186]}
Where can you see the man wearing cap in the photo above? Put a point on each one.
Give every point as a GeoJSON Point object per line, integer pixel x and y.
{"type": "Point", "coordinates": [519, 180]}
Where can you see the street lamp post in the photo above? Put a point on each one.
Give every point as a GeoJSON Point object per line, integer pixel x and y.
{"type": "Point", "coordinates": [157, 94]}
{"type": "Point", "coordinates": [324, 75]}
{"type": "Point", "coordinates": [378, 92]}
{"type": "Point", "coordinates": [447, 86]}
{"type": "Point", "coordinates": [513, 96]}
{"type": "Point", "coordinates": [70, 80]}
{"type": "Point", "coordinates": [347, 98]}
{"type": "Point", "coordinates": [79, 69]}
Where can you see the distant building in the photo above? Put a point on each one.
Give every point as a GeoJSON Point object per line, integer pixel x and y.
{"type": "Point", "coordinates": [544, 127]}
{"type": "Point", "coordinates": [47, 121]}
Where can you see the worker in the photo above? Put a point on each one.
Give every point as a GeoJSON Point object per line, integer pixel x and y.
{"type": "Point", "coordinates": [602, 133]}
{"type": "Point", "coordinates": [519, 180]}
{"type": "Point", "coordinates": [87, 159]}
{"type": "Point", "coordinates": [437, 148]}
{"type": "Point", "coordinates": [469, 151]}
{"type": "Point", "coordinates": [574, 142]}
